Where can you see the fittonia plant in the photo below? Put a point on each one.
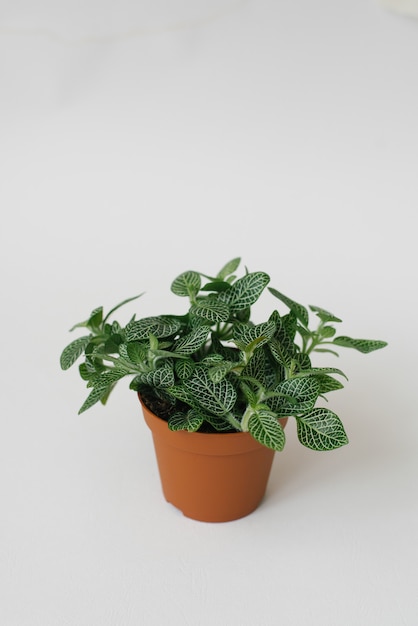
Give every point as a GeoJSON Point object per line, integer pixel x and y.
{"type": "Point", "coordinates": [213, 369]}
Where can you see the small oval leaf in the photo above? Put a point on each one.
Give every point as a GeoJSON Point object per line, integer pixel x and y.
{"type": "Point", "coordinates": [187, 284]}
{"type": "Point", "coordinates": [71, 353]}
{"type": "Point", "coordinates": [245, 291]}
{"type": "Point", "coordinates": [190, 421]}
{"type": "Point", "coordinates": [159, 327]}
{"type": "Point", "coordinates": [321, 430]}
{"type": "Point", "coordinates": [266, 429]}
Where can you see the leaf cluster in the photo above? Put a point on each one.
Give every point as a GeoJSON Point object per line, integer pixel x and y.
{"type": "Point", "coordinates": [213, 369]}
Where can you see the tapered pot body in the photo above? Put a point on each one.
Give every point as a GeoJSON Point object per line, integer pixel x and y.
{"type": "Point", "coordinates": [210, 477]}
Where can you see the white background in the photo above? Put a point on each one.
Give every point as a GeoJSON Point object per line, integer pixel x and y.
{"type": "Point", "coordinates": [141, 139]}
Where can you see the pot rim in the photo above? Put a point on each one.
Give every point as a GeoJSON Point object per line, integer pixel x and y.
{"type": "Point", "coordinates": [202, 443]}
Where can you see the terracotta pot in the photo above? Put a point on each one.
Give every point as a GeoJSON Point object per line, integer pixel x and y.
{"type": "Point", "coordinates": [210, 477]}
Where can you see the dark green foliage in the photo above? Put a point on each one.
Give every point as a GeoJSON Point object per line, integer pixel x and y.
{"type": "Point", "coordinates": [214, 369]}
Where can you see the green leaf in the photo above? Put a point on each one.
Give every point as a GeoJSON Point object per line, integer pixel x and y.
{"type": "Point", "coordinates": [79, 325]}
{"type": "Point", "coordinates": [219, 423]}
{"type": "Point", "coordinates": [94, 358]}
{"type": "Point", "coordinates": [327, 331]}
{"type": "Point", "coordinates": [323, 315]}
{"type": "Point", "coordinates": [362, 345]}
{"type": "Point", "coordinates": [282, 346]}
{"type": "Point", "coordinates": [218, 398]}
{"type": "Point", "coordinates": [266, 429]}
{"type": "Point", "coordinates": [244, 315]}
{"type": "Point", "coordinates": [302, 361]}
{"type": "Point", "coordinates": [87, 371]}
{"type": "Point", "coordinates": [304, 391]}
{"type": "Point", "coordinates": [94, 396]}
{"type": "Point", "coordinates": [71, 353]}
{"type": "Point", "coordinates": [191, 342]}
{"type": "Point", "coordinates": [262, 368]}
{"type": "Point", "coordinates": [184, 368]}
{"type": "Point", "coordinates": [95, 318]}
{"type": "Point", "coordinates": [323, 350]}
{"type": "Point", "coordinates": [211, 310]}
{"type": "Point", "coordinates": [216, 285]}
{"type": "Point", "coordinates": [112, 344]}
{"type": "Point", "coordinates": [288, 325]}
{"type": "Point", "coordinates": [328, 383]}
{"type": "Point", "coordinates": [297, 309]}
{"type": "Point", "coordinates": [136, 383]}
{"type": "Point", "coordinates": [250, 395]}
{"type": "Point", "coordinates": [220, 370]}
{"type": "Point", "coordinates": [314, 371]}
{"type": "Point", "coordinates": [213, 359]}
{"type": "Point", "coordinates": [229, 268]}
{"type": "Point", "coordinates": [136, 352]}
{"type": "Point", "coordinates": [162, 326]}
{"type": "Point", "coordinates": [246, 335]}
{"type": "Point", "coordinates": [190, 421]}
{"type": "Point", "coordinates": [103, 385]}
{"type": "Point", "coordinates": [186, 285]}
{"type": "Point", "coordinates": [116, 328]}
{"type": "Point", "coordinates": [179, 392]}
{"type": "Point", "coordinates": [245, 291]}
{"type": "Point", "coordinates": [162, 377]}
{"type": "Point", "coordinates": [227, 352]}
{"type": "Point", "coordinates": [321, 430]}
{"type": "Point", "coordinates": [108, 376]}
{"type": "Point", "coordinates": [115, 308]}
{"type": "Point", "coordinates": [283, 354]}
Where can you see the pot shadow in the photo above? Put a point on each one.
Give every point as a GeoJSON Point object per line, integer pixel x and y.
{"type": "Point", "coordinates": [372, 446]}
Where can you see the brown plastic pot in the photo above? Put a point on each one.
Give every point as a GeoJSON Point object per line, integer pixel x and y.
{"type": "Point", "coordinates": [210, 477]}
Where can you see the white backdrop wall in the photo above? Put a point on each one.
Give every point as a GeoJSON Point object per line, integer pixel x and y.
{"type": "Point", "coordinates": [141, 139]}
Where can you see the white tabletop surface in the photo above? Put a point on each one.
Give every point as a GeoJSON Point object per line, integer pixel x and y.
{"type": "Point", "coordinates": [141, 139]}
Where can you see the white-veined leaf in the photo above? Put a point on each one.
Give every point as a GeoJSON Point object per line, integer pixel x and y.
{"type": "Point", "coordinates": [314, 371]}
{"type": "Point", "coordinates": [159, 327]}
{"type": "Point", "coordinates": [187, 284]}
{"type": "Point", "coordinates": [321, 430]}
{"type": "Point", "coordinates": [304, 391]}
{"type": "Point", "coordinates": [220, 370]}
{"type": "Point", "coordinates": [219, 423]}
{"type": "Point", "coordinates": [282, 353]}
{"type": "Point", "coordinates": [245, 291]}
{"type": "Point", "coordinates": [266, 429]}
{"type": "Point", "coordinates": [191, 342]}
{"type": "Point", "coordinates": [245, 335]}
{"type": "Point", "coordinates": [182, 394]}
{"type": "Point", "coordinates": [184, 368]}
{"type": "Point", "coordinates": [162, 377]}
{"type": "Point", "coordinates": [216, 397]}
{"type": "Point", "coordinates": [324, 316]}
{"type": "Point", "coordinates": [136, 352]}
{"type": "Point", "coordinates": [103, 384]}
{"type": "Point", "coordinates": [190, 421]}
{"type": "Point", "coordinates": [362, 345]}
{"type": "Point", "coordinates": [211, 310]}
{"type": "Point", "coordinates": [71, 353]}
{"type": "Point", "coordinates": [328, 383]}
{"type": "Point", "coordinates": [297, 309]}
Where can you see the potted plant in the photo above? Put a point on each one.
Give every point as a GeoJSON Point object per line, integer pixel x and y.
{"type": "Point", "coordinates": [217, 388]}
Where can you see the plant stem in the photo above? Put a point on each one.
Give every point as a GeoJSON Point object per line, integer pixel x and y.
{"type": "Point", "coordinates": [246, 418]}
{"type": "Point", "coordinates": [234, 422]}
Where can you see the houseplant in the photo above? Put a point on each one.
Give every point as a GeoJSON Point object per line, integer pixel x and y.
{"type": "Point", "coordinates": [213, 375]}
